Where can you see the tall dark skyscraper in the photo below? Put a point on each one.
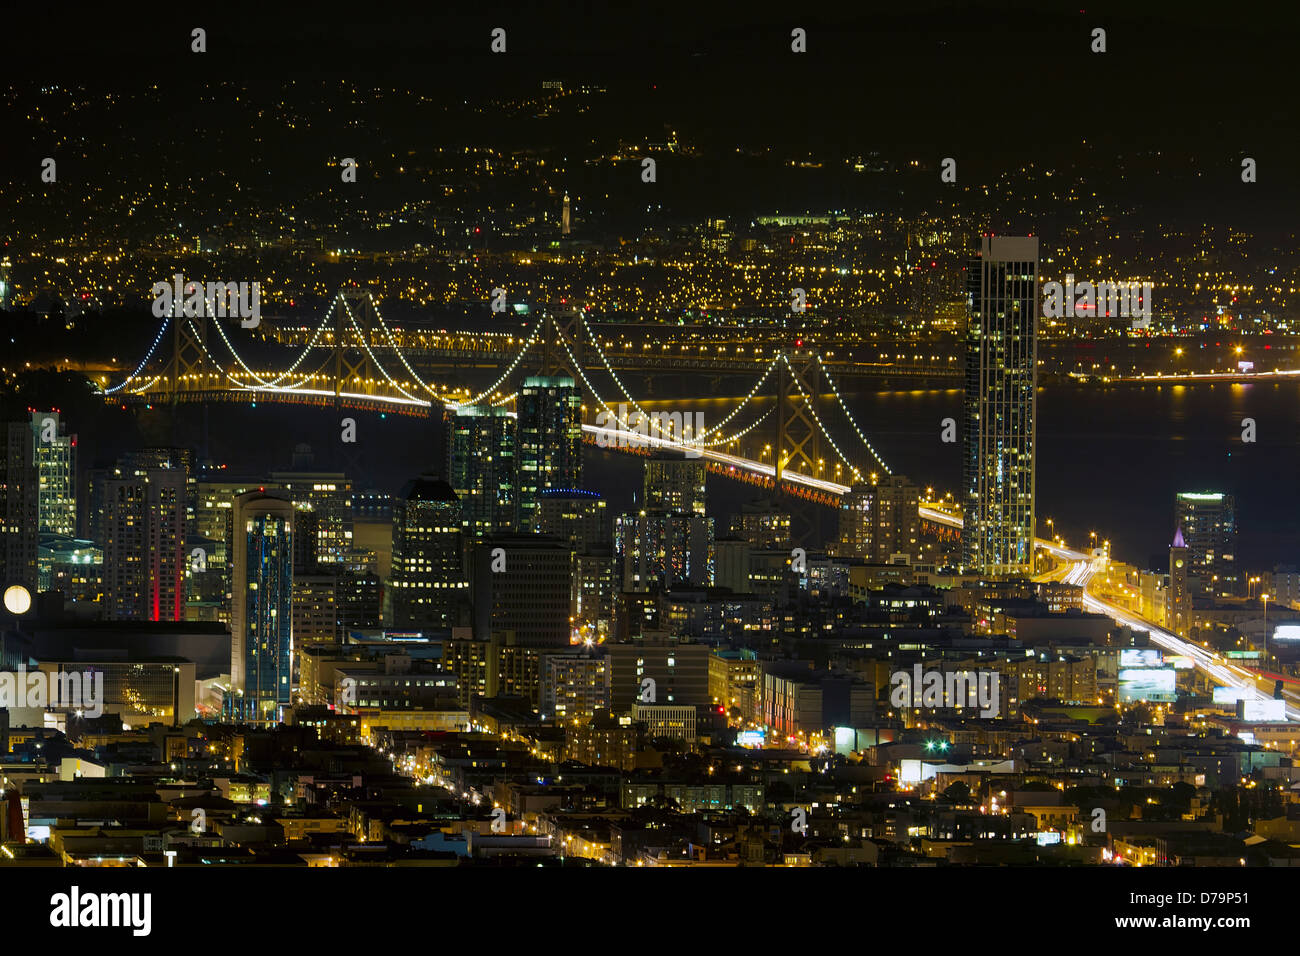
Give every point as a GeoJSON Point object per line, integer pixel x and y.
{"type": "Point", "coordinates": [550, 441]}
{"type": "Point", "coordinates": [481, 468]}
{"type": "Point", "coordinates": [261, 620]}
{"type": "Point", "coordinates": [1208, 521]}
{"type": "Point", "coordinates": [19, 507]}
{"type": "Point", "coordinates": [1001, 372]}
{"type": "Point", "coordinates": [428, 582]}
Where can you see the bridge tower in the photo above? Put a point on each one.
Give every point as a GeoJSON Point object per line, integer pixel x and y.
{"type": "Point", "coordinates": [562, 326]}
{"type": "Point", "coordinates": [186, 367]}
{"type": "Point", "coordinates": [354, 324]}
{"type": "Point", "coordinates": [798, 445]}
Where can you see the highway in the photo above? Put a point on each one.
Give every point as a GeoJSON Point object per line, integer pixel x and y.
{"type": "Point", "coordinates": [1082, 567]}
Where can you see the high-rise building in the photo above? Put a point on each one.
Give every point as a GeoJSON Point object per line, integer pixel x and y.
{"type": "Point", "coordinates": [1000, 424]}
{"type": "Point", "coordinates": [765, 526]}
{"type": "Point", "coordinates": [145, 560]}
{"type": "Point", "coordinates": [1178, 616]}
{"type": "Point", "coordinates": [894, 521]}
{"type": "Point", "coordinates": [674, 483]}
{"type": "Point", "coordinates": [549, 448]}
{"type": "Point", "coordinates": [261, 620]}
{"type": "Point", "coordinates": [1209, 525]}
{"type": "Point", "coordinates": [55, 453]}
{"type": "Point", "coordinates": [481, 467]}
{"type": "Point", "coordinates": [574, 685]}
{"type": "Point", "coordinates": [678, 668]}
{"type": "Point", "coordinates": [523, 583]}
{"type": "Point", "coordinates": [578, 516]}
{"type": "Point", "coordinates": [660, 550]}
{"type": "Point", "coordinates": [428, 580]}
{"type": "Point", "coordinates": [19, 508]}
{"type": "Point", "coordinates": [564, 217]}
{"type": "Point", "coordinates": [329, 494]}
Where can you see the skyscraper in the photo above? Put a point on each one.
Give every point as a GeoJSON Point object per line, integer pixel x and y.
{"type": "Point", "coordinates": [428, 578]}
{"type": "Point", "coordinates": [329, 494]}
{"type": "Point", "coordinates": [261, 620]}
{"type": "Point", "coordinates": [564, 217]}
{"type": "Point", "coordinates": [1208, 521]}
{"type": "Point", "coordinates": [481, 468]}
{"type": "Point", "coordinates": [19, 507]}
{"type": "Point", "coordinates": [523, 583]}
{"type": "Point", "coordinates": [674, 483]}
{"type": "Point", "coordinates": [1001, 372]}
{"type": "Point", "coordinates": [55, 453]}
{"type": "Point", "coordinates": [549, 446]}
{"type": "Point", "coordinates": [144, 544]}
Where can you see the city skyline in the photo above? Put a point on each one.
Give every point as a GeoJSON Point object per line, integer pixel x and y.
{"type": "Point", "coordinates": [828, 439]}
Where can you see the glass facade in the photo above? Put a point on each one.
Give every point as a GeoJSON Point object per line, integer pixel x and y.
{"type": "Point", "coordinates": [1001, 373]}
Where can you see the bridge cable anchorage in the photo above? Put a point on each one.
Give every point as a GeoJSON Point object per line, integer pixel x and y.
{"type": "Point", "coordinates": [504, 375]}
{"type": "Point", "coordinates": [812, 411]}
{"type": "Point", "coordinates": [849, 415]}
{"type": "Point", "coordinates": [366, 345]}
{"type": "Point", "coordinates": [143, 362]}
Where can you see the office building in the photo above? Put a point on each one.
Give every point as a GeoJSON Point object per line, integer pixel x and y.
{"type": "Point", "coordinates": [662, 550]}
{"type": "Point", "coordinates": [1209, 524]}
{"type": "Point", "coordinates": [329, 494]}
{"type": "Point", "coordinates": [765, 526]}
{"type": "Point", "coordinates": [145, 560]}
{"type": "Point", "coordinates": [674, 483]}
{"type": "Point", "coordinates": [19, 508]}
{"type": "Point", "coordinates": [580, 517]}
{"type": "Point", "coordinates": [549, 448]}
{"type": "Point", "coordinates": [428, 581]}
{"type": "Point", "coordinates": [481, 467]}
{"type": "Point", "coordinates": [261, 620]}
{"type": "Point", "coordinates": [678, 668]}
{"type": "Point", "coordinates": [523, 583]}
{"type": "Point", "coordinates": [55, 453]}
{"type": "Point", "coordinates": [1000, 407]}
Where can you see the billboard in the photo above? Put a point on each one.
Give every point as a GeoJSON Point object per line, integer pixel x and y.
{"type": "Point", "coordinates": [1181, 662]}
{"type": "Point", "coordinates": [1155, 684]}
{"type": "Point", "coordinates": [750, 738]}
{"type": "Point", "coordinates": [1290, 631]}
{"type": "Point", "coordinates": [1260, 709]}
{"type": "Point", "coordinates": [1230, 695]}
{"type": "Point", "coordinates": [1140, 657]}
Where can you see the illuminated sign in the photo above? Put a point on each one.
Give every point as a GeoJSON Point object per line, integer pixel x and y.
{"type": "Point", "coordinates": [1147, 683]}
{"type": "Point", "coordinates": [1259, 709]}
{"type": "Point", "coordinates": [1287, 632]}
{"type": "Point", "coordinates": [1230, 695]}
{"type": "Point", "coordinates": [1140, 657]}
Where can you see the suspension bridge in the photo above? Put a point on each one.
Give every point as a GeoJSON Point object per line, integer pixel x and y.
{"type": "Point", "coordinates": [353, 359]}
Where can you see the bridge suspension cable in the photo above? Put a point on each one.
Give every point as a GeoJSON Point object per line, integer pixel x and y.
{"type": "Point", "coordinates": [143, 362]}
{"type": "Point", "coordinates": [849, 415]}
